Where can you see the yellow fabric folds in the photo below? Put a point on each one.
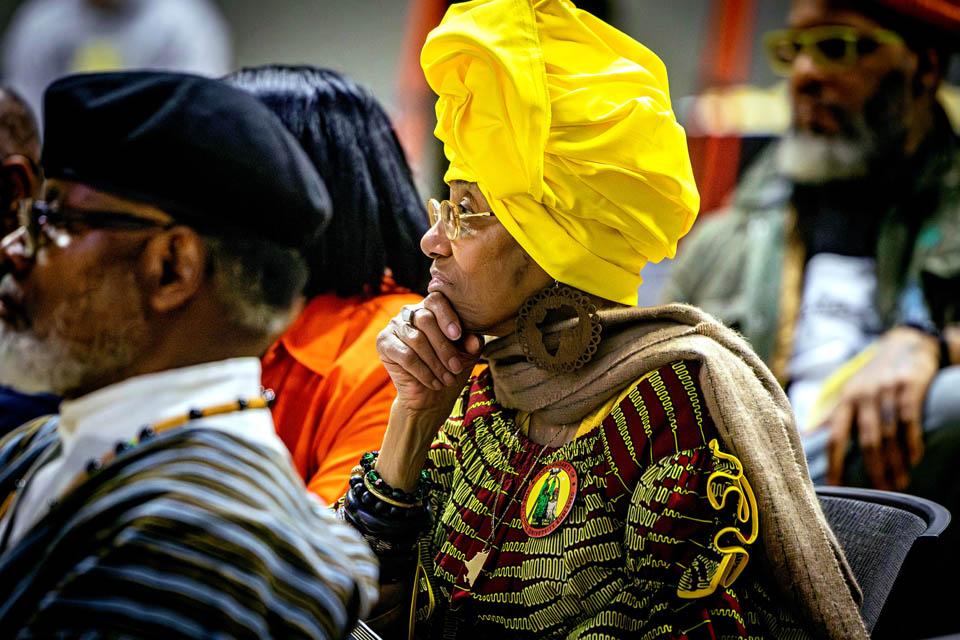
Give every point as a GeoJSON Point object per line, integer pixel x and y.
{"type": "Point", "coordinates": [566, 125]}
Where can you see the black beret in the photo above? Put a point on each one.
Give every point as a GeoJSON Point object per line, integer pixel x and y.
{"type": "Point", "coordinates": [209, 155]}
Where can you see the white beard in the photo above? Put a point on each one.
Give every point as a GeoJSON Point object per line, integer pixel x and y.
{"type": "Point", "coordinates": [866, 141]}
{"type": "Point", "coordinates": [807, 158]}
{"type": "Point", "coordinates": [54, 363]}
{"type": "Point", "coordinates": [31, 365]}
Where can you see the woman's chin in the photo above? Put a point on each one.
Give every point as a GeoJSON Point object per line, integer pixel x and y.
{"type": "Point", "coordinates": [496, 329]}
{"type": "Point", "coordinates": [481, 316]}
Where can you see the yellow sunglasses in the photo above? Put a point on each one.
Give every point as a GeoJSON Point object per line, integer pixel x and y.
{"type": "Point", "coordinates": [832, 46]}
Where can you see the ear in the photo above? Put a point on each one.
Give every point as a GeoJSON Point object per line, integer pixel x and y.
{"type": "Point", "coordinates": [174, 269]}
{"type": "Point", "coordinates": [19, 179]}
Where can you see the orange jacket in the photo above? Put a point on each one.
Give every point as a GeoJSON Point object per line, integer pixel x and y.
{"type": "Point", "coordinates": [333, 395]}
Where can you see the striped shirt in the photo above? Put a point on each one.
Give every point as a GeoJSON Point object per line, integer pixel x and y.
{"type": "Point", "coordinates": [196, 533]}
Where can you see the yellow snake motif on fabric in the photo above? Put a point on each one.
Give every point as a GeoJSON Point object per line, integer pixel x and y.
{"type": "Point", "coordinates": [727, 482]}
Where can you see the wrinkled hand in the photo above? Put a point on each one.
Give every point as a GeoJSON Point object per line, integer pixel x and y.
{"type": "Point", "coordinates": [882, 406]}
{"type": "Point", "coordinates": [429, 360]}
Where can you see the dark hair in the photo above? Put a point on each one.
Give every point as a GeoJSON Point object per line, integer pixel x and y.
{"type": "Point", "coordinates": [378, 217]}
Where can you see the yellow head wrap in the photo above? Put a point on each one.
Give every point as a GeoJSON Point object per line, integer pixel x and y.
{"type": "Point", "coordinates": [565, 123]}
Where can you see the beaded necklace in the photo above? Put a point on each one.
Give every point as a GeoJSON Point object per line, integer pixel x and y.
{"type": "Point", "coordinates": [146, 433]}
{"type": "Point", "coordinates": [155, 429]}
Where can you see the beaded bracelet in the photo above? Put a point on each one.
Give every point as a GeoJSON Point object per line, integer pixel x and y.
{"type": "Point", "coordinates": [391, 528]}
{"type": "Point", "coordinates": [382, 514]}
{"type": "Point", "coordinates": [378, 486]}
{"type": "Point", "coordinates": [390, 520]}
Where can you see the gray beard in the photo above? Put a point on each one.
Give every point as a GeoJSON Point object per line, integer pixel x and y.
{"type": "Point", "coordinates": [52, 363]}
{"type": "Point", "coordinates": [866, 141]}
{"type": "Point", "coordinates": [808, 158]}
{"type": "Point", "coordinates": [31, 365]}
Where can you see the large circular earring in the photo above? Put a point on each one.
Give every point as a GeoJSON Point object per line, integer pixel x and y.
{"type": "Point", "coordinates": [576, 345]}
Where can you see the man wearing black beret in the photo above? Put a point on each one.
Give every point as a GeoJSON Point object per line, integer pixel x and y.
{"type": "Point", "coordinates": [161, 261]}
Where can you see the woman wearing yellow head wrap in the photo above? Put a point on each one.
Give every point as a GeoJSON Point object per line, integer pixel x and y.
{"type": "Point", "coordinates": [566, 126]}
{"type": "Point", "coordinates": [612, 470]}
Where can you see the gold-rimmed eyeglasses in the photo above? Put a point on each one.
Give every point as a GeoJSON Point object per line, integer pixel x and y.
{"type": "Point", "coordinates": [452, 216]}
{"type": "Point", "coordinates": [830, 46]}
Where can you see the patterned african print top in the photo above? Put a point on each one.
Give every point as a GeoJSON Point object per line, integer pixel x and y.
{"type": "Point", "coordinates": [644, 530]}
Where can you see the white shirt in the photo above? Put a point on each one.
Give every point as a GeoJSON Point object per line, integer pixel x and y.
{"type": "Point", "coordinates": [838, 319]}
{"type": "Point", "coordinates": [91, 426]}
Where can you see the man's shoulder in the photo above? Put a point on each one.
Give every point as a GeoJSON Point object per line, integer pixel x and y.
{"type": "Point", "coordinates": [195, 476]}
{"type": "Point", "coordinates": [196, 521]}
{"type": "Point", "coordinates": [208, 486]}
{"type": "Point", "coordinates": [190, 454]}
{"type": "Point", "coordinates": [20, 447]}
{"type": "Point", "coordinates": [762, 187]}
{"type": "Point", "coordinates": [719, 223]}
{"type": "Point", "coordinates": [29, 432]}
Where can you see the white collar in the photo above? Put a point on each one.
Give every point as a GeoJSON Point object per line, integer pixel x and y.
{"type": "Point", "coordinates": [146, 399]}
{"type": "Point", "coordinates": [92, 425]}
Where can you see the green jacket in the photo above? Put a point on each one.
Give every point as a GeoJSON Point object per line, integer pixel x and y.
{"type": "Point", "coordinates": [732, 264]}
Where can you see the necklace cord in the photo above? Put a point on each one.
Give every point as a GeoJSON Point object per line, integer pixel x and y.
{"type": "Point", "coordinates": [525, 420]}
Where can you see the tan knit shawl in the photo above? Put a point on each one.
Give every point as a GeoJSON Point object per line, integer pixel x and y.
{"type": "Point", "coordinates": [753, 418]}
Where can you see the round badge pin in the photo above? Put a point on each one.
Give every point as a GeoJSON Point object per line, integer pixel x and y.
{"type": "Point", "coordinates": [548, 499]}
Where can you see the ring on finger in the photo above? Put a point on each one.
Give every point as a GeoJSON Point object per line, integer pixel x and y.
{"type": "Point", "coordinates": [407, 315]}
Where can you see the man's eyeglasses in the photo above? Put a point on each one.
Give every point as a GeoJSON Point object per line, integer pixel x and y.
{"type": "Point", "coordinates": [42, 223]}
{"type": "Point", "coordinates": [451, 215]}
{"type": "Point", "coordinates": [831, 47]}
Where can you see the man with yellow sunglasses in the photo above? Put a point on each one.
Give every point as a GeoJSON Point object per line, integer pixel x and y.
{"type": "Point", "coordinates": [845, 236]}
{"type": "Point", "coordinates": [833, 46]}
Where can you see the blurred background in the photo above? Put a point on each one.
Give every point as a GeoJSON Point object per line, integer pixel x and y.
{"type": "Point", "coordinates": [365, 38]}
{"type": "Point", "coordinates": [723, 91]}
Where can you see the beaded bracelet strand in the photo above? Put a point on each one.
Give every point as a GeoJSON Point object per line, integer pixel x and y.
{"type": "Point", "coordinates": [361, 498]}
{"type": "Point", "coordinates": [377, 485]}
{"type": "Point", "coordinates": [391, 520]}
{"type": "Point", "coordinates": [375, 508]}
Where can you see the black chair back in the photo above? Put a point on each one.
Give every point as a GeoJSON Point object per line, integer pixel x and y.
{"type": "Point", "coordinates": [879, 531]}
